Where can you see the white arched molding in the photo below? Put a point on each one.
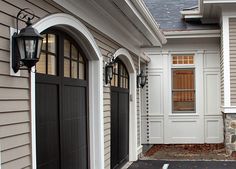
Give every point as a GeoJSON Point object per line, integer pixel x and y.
{"type": "Point", "coordinates": [96, 133]}
{"type": "Point", "coordinates": [124, 55]}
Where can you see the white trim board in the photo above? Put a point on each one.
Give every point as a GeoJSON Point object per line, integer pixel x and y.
{"type": "Point", "coordinates": [192, 34]}
{"type": "Point", "coordinates": [124, 55]}
{"type": "Point", "coordinates": [95, 88]}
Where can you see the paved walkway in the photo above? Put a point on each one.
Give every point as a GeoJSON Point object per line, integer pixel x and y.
{"type": "Point", "coordinates": [159, 164]}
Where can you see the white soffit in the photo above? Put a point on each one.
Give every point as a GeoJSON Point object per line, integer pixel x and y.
{"type": "Point", "coordinates": [101, 20]}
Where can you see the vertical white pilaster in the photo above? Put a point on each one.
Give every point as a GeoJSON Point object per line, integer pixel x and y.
{"type": "Point", "coordinates": [226, 56]}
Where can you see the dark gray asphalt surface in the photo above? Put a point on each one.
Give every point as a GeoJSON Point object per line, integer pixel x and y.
{"type": "Point", "coordinates": [158, 164]}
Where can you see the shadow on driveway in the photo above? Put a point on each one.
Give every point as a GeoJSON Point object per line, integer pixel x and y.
{"type": "Point", "coordinates": [158, 164]}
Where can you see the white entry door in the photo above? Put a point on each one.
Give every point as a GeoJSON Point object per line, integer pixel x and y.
{"type": "Point", "coordinates": [182, 100]}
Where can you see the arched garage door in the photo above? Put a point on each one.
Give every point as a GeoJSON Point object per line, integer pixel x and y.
{"type": "Point", "coordinates": [61, 104]}
{"type": "Point", "coordinates": [119, 115]}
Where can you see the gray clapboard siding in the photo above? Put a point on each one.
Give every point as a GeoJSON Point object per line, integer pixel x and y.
{"type": "Point", "coordinates": [14, 91]}
{"type": "Point", "coordinates": [4, 31]}
{"type": "Point", "coordinates": [232, 41]}
{"type": "Point", "coordinates": [14, 141]}
{"type": "Point", "coordinates": [13, 94]}
{"type": "Point", "coordinates": [15, 153]}
{"type": "Point", "coordinates": [4, 56]}
{"type": "Point", "coordinates": [14, 129]}
{"type": "Point", "coordinates": [39, 13]}
{"type": "Point", "coordinates": [14, 117]}
{"type": "Point", "coordinates": [14, 105]}
{"type": "Point", "coordinates": [45, 6]}
{"type": "Point", "coordinates": [20, 163]}
{"type": "Point", "coordinates": [14, 82]}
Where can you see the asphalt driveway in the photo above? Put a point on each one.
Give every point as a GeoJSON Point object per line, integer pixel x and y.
{"type": "Point", "coordinates": [159, 164]}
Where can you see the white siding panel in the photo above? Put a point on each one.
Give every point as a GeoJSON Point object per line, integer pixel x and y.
{"type": "Point", "coordinates": [155, 94]}
{"type": "Point", "coordinates": [212, 93]}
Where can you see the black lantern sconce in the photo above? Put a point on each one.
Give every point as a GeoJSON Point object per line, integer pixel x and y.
{"type": "Point", "coordinates": [109, 70]}
{"type": "Point", "coordinates": [26, 46]}
{"type": "Point", "coordinates": [141, 80]}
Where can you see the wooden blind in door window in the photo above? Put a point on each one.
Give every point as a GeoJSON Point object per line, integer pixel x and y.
{"type": "Point", "coordinates": [183, 90]}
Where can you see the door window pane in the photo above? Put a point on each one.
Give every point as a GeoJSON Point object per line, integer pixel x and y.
{"type": "Point", "coordinates": [81, 71]}
{"type": "Point", "coordinates": [74, 70]}
{"type": "Point", "coordinates": [52, 68]}
{"type": "Point", "coordinates": [183, 90]}
{"type": "Point", "coordinates": [74, 54]}
{"type": "Point", "coordinates": [66, 48]}
{"type": "Point", "coordinates": [41, 65]}
{"type": "Point", "coordinates": [44, 42]}
{"type": "Point", "coordinates": [51, 43]}
{"type": "Point", "coordinates": [120, 75]}
{"type": "Point", "coordinates": [66, 68]}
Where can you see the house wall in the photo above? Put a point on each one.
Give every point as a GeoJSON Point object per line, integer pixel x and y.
{"type": "Point", "coordinates": [15, 131]}
{"type": "Point", "coordinates": [229, 41]}
{"type": "Point", "coordinates": [159, 125]}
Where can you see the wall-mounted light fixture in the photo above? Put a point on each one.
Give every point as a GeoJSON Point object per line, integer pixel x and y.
{"type": "Point", "coordinates": [141, 80]}
{"type": "Point", "coordinates": [109, 70]}
{"type": "Point", "coordinates": [26, 46]}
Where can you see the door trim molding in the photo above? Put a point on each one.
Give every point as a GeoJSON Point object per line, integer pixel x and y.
{"type": "Point", "coordinates": [126, 58]}
{"type": "Point", "coordinates": [96, 133]}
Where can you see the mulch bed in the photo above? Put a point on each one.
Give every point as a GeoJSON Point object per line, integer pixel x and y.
{"type": "Point", "coordinates": [187, 148]}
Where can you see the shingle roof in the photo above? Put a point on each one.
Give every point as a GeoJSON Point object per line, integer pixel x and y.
{"type": "Point", "coordinates": [167, 14]}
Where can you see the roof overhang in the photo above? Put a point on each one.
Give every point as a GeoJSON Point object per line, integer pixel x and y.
{"type": "Point", "coordinates": [130, 24]}
{"type": "Point", "coordinates": [141, 17]}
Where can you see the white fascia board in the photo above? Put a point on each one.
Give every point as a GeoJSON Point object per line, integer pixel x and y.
{"type": "Point", "coordinates": [192, 34]}
{"type": "Point", "coordinates": [150, 19]}
{"type": "Point", "coordinates": [190, 12]}
{"type": "Point", "coordinates": [194, 13]}
{"type": "Point", "coordinates": [121, 36]}
{"type": "Point", "coordinates": [218, 1]}
{"type": "Point", "coordinates": [138, 14]}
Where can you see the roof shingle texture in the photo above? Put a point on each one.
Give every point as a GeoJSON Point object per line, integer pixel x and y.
{"type": "Point", "coordinates": [167, 13]}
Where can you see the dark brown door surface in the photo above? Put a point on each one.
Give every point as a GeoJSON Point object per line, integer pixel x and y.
{"type": "Point", "coordinates": [61, 106]}
{"type": "Point", "coordinates": [119, 126]}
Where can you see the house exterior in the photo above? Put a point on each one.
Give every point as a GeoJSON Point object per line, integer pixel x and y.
{"type": "Point", "coordinates": [64, 115]}
{"type": "Point", "coordinates": [59, 115]}
{"type": "Point", "coordinates": [190, 91]}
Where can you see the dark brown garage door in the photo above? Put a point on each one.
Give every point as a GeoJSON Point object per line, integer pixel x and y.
{"type": "Point", "coordinates": [119, 116]}
{"type": "Point", "coordinates": [61, 104]}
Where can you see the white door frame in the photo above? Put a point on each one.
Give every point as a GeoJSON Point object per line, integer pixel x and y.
{"type": "Point", "coordinates": [96, 133]}
{"type": "Point", "coordinates": [126, 58]}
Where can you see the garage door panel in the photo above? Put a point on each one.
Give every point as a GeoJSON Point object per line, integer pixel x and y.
{"type": "Point", "coordinates": [47, 126]}
{"type": "Point", "coordinates": [74, 125]}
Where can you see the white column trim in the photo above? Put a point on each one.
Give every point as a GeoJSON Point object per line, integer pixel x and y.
{"type": "Point", "coordinates": [124, 55]}
{"type": "Point", "coordinates": [226, 57]}
{"type": "Point", "coordinates": [95, 88]}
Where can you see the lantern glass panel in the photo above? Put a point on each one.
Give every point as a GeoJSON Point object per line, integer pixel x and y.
{"type": "Point", "coordinates": [143, 80]}
{"type": "Point", "coordinates": [21, 47]}
{"type": "Point", "coordinates": [40, 42]}
{"type": "Point", "coordinates": [30, 48]}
